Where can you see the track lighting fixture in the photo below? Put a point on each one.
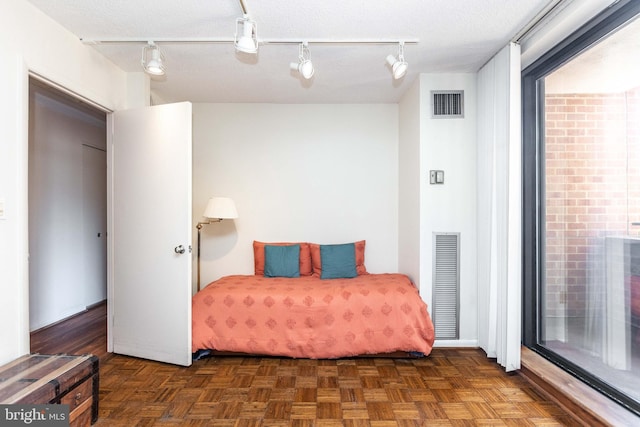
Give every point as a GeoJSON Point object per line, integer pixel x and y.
{"type": "Point", "coordinates": [246, 39]}
{"type": "Point", "coordinates": [304, 66]}
{"type": "Point", "coordinates": [152, 59]}
{"type": "Point", "coordinates": [399, 65]}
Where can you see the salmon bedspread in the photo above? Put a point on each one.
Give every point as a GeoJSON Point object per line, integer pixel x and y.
{"type": "Point", "coordinates": [307, 317]}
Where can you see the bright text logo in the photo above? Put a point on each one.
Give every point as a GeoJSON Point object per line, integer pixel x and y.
{"type": "Point", "coordinates": [34, 415]}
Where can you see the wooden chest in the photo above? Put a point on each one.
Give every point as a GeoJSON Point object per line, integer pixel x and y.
{"type": "Point", "coordinates": [44, 379]}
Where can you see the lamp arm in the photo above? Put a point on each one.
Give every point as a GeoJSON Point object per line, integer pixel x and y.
{"type": "Point", "coordinates": [212, 220]}
{"type": "Point", "coordinates": [199, 227]}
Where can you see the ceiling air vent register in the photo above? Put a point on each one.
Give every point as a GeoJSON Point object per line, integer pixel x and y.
{"type": "Point", "coordinates": [447, 104]}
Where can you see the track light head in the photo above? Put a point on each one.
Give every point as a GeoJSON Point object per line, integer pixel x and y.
{"type": "Point", "coordinates": [304, 66]}
{"type": "Point", "coordinates": [398, 66]}
{"type": "Point", "coordinates": [152, 59]}
{"type": "Point", "coordinates": [246, 41]}
{"type": "Point", "coordinates": [306, 69]}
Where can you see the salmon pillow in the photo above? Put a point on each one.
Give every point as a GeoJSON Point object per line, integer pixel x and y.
{"type": "Point", "coordinates": [316, 259]}
{"type": "Point", "coordinates": [258, 257]}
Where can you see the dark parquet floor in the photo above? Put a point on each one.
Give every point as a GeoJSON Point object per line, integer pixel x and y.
{"type": "Point", "coordinates": [451, 387]}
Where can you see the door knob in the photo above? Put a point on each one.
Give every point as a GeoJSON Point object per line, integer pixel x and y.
{"type": "Point", "coordinates": [179, 249]}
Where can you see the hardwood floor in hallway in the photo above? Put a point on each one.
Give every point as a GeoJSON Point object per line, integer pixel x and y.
{"type": "Point", "coordinates": [83, 333]}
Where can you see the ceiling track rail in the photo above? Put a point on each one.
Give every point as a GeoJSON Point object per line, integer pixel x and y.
{"type": "Point", "coordinates": [226, 40]}
{"type": "Point", "coordinates": [145, 40]}
{"type": "Point", "coordinates": [540, 19]}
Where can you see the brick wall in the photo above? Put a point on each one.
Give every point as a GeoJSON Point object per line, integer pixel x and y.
{"type": "Point", "coordinates": [592, 148]}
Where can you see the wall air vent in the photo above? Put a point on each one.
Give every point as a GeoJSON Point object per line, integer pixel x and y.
{"type": "Point", "coordinates": [447, 104]}
{"type": "Point", "coordinates": [446, 285]}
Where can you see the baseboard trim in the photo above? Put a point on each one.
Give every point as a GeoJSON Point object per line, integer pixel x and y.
{"type": "Point", "coordinates": [587, 406]}
{"type": "Point", "coordinates": [455, 344]}
{"type": "Point", "coordinates": [96, 304]}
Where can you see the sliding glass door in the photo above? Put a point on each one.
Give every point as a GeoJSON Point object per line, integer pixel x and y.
{"type": "Point", "coordinates": [582, 191]}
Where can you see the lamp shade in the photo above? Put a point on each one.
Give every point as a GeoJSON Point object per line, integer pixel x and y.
{"type": "Point", "coordinates": [220, 208]}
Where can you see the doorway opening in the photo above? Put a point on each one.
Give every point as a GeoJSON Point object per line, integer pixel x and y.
{"type": "Point", "coordinates": [67, 210]}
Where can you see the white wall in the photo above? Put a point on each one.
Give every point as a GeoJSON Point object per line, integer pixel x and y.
{"type": "Point", "coordinates": [58, 287]}
{"type": "Point", "coordinates": [450, 145]}
{"type": "Point", "coordinates": [410, 184]}
{"type": "Point", "coordinates": [319, 173]}
{"type": "Point", "coordinates": [337, 173]}
{"type": "Point", "coordinates": [31, 41]}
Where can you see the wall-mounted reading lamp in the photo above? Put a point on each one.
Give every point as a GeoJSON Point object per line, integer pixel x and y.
{"type": "Point", "coordinates": [218, 208]}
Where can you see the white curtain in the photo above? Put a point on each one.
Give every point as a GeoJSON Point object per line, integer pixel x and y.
{"type": "Point", "coordinates": [499, 208]}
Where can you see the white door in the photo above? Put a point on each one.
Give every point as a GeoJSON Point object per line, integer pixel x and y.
{"type": "Point", "coordinates": [94, 223]}
{"type": "Point", "coordinates": [150, 283]}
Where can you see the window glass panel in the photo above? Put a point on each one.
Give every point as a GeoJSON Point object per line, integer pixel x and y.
{"type": "Point", "coordinates": [590, 287]}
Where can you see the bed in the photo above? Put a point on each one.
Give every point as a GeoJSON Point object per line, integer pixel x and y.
{"type": "Point", "coordinates": [311, 315]}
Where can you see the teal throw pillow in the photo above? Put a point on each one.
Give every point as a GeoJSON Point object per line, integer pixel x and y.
{"type": "Point", "coordinates": [282, 261]}
{"type": "Point", "coordinates": [338, 261]}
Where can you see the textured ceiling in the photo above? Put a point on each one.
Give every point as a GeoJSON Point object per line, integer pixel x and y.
{"type": "Point", "coordinates": [453, 36]}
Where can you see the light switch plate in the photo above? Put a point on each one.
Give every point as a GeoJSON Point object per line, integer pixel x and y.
{"type": "Point", "coordinates": [436, 177]}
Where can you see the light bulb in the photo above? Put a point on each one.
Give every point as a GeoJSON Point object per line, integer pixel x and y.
{"type": "Point", "coordinates": [306, 69]}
